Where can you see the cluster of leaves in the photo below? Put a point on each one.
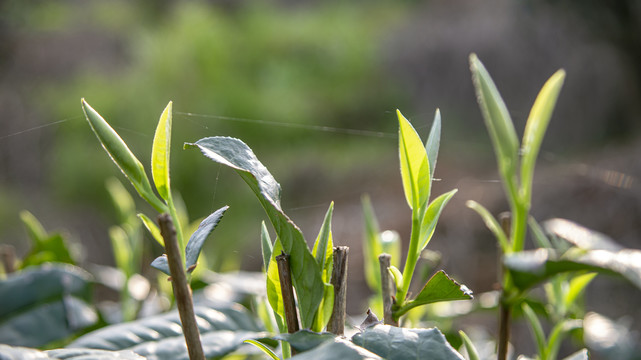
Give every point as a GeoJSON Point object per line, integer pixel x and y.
{"type": "Point", "coordinates": [56, 298]}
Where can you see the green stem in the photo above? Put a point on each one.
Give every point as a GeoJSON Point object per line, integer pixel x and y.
{"type": "Point", "coordinates": [412, 259]}
{"type": "Point", "coordinates": [178, 226]}
{"type": "Point", "coordinates": [519, 226]}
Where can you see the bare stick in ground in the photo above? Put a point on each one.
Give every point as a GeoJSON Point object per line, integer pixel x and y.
{"type": "Point", "coordinates": [182, 292]}
{"type": "Point", "coordinates": [289, 303]}
{"type": "Point", "coordinates": [336, 323]}
{"type": "Point", "coordinates": [504, 309]}
{"type": "Point", "coordinates": [384, 261]}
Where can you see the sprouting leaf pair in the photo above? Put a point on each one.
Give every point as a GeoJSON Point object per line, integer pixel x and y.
{"type": "Point", "coordinates": [134, 171]}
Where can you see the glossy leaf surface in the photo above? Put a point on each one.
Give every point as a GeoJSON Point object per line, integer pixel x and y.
{"type": "Point", "coordinates": [237, 155]}
{"type": "Point", "coordinates": [43, 304]}
{"type": "Point", "coordinates": [222, 330]}
{"type": "Point", "coordinates": [431, 216]}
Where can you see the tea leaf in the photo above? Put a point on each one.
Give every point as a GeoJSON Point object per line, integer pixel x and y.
{"type": "Point", "coordinates": [393, 343]}
{"type": "Point", "coordinates": [433, 142]}
{"type": "Point", "coordinates": [371, 246]}
{"type": "Point", "coordinates": [122, 250]}
{"type": "Point", "coordinates": [269, 352]}
{"type": "Point", "coordinates": [160, 151]}
{"type": "Point", "coordinates": [152, 228]}
{"type": "Point", "coordinates": [469, 346]}
{"type": "Point", "coordinates": [440, 287]}
{"type": "Point", "coordinates": [323, 246]}
{"type": "Point", "coordinates": [535, 327]}
{"type": "Point", "coordinates": [415, 170]}
{"type": "Point", "coordinates": [337, 349]}
{"type": "Point", "coordinates": [46, 303]}
{"type": "Point", "coordinates": [491, 224]}
{"type": "Point", "coordinates": [266, 246]}
{"type": "Point", "coordinates": [430, 218]}
{"type": "Point", "coordinates": [305, 340]}
{"type": "Point", "coordinates": [223, 329]}
{"type": "Point", "coordinates": [11, 352]}
{"type": "Point", "coordinates": [197, 240]}
{"type": "Point", "coordinates": [528, 268]}
{"type": "Point", "coordinates": [237, 155]}
{"type": "Point", "coordinates": [274, 293]}
{"type": "Point", "coordinates": [497, 118]}
{"type": "Point", "coordinates": [122, 157]}
{"type": "Point", "coordinates": [536, 126]}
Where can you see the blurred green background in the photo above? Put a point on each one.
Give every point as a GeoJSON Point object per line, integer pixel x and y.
{"type": "Point", "coordinates": [312, 87]}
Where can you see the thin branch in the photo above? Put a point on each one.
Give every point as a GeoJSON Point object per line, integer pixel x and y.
{"type": "Point", "coordinates": [289, 303]}
{"type": "Point", "coordinates": [384, 261]}
{"type": "Point", "coordinates": [336, 323]}
{"type": "Point", "coordinates": [504, 309]}
{"type": "Point", "coordinates": [182, 292]}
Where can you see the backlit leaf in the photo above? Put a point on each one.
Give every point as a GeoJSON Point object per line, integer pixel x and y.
{"type": "Point", "coordinates": [197, 239]}
{"type": "Point", "coordinates": [160, 153]}
{"type": "Point", "coordinates": [440, 287]}
{"type": "Point", "coordinates": [431, 216]}
{"type": "Point", "coordinates": [433, 142]}
{"type": "Point", "coordinates": [415, 170]}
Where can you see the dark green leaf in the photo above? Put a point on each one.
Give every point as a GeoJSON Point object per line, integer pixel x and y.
{"type": "Point", "coordinates": [22, 353]}
{"type": "Point", "coordinates": [45, 247]}
{"type": "Point", "coordinates": [529, 268]}
{"type": "Point", "coordinates": [305, 340]}
{"type": "Point", "coordinates": [50, 305]}
{"type": "Point", "coordinates": [161, 263]}
{"type": "Point", "coordinates": [197, 240]}
{"type": "Point", "coordinates": [440, 287]}
{"type": "Point", "coordinates": [337, 349]}
{"type": "Point", "coordinates": [237, 155]}
{"type": "Point", "coordinates": [393, 343]}
{"type": "Point", "coordinates": [222, 330]}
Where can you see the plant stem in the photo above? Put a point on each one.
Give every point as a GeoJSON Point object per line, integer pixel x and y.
{"type": "Point", "coordinates": [384, 261]}
{"type": "Point", "coordinates": [504, 308]}
{"type": "Point", "coordinates": [8, 258]}
{"type": "Point", "coordinates": [336, 323]}
{"type": "Point", "coordinates": [287, 290]}
{"type": "Point", "coordinates": [412, 258]}
{"type": "Point", "coordinates": [182, 292]}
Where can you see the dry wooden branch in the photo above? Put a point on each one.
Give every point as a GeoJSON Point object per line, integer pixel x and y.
{"type": "Point", "coordinates": [289, 303]}
{"type": "Point", "coordinates": [336, 323]}
{"type": "Point", "coordinates": [182, 291]}
{"type": "Point", "coordinates": [387, 291]}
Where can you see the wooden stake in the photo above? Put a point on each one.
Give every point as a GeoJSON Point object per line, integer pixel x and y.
{"type": "Point", "coordinates": [289, 303]}
{"type": "Point", "coordinates": [336, 323]}
{"type": "Point", "coordinates": [182, 292]}
{"type": "Point", "coordinates": [384, 261]}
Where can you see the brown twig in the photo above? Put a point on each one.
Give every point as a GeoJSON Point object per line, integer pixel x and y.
{"type": "Point", "coordinates": [289, 303]}
{"type": "Point", "coordinates": [504, 308]}
{"type": "Point", "coordinates": [8, 258]}
{"type": "Point", "coordinates": [336, 323]}
{"type": "Point", "coordinates": [385, 261]}
{"type": "Point", "coordinates": [182, 292]}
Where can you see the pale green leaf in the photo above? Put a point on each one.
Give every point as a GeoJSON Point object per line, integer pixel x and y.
{"type": "Point", "coordinates": [153, 229]}
{"type": "Point", "coordinates": [491, 224]}
{"type": "Point", "coordinates": [415, 170]}
{"type": "Point", "coordinates": [440, 287]}
{"type": "Point", "coordinates": [274, 292]}
{"type": "Point", "coordinates": [535, 327]}
{"type": "Point", "coordinates": [323, 246]}
{"type": "Point", "coordinates": [537, 124]}
{"type": "Point", "coordinates": [430, 218]}
{"type": "Point", "coordinates": [121, 249]}
{"type": "Point", "coordinates": [266, 246]}
{"type": "Point", "coordinates": [269, 352]}
{"type": "Point", "coordinates": [469, 346]}
{"type": "Point", "coordinates": [122, 156]}
{"type": "Point", "coordinates": [160, 153]}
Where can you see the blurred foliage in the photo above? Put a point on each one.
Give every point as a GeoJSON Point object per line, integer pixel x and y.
{"type": "Point", "coordinates": [300, 66]}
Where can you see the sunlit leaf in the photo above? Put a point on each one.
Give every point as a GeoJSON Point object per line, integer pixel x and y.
{"type": "Point", "coordinates": [415, 170]}
{"type": "Point", "coordinates": [537, 124]}
{"type": "Point", "coordinates": [274, 292]}
{"type": "Point", "coordinates": [430, 218]}
{"type": "Point", "coordinates": [237, 155]}
{"type": "Point", "coordinates": [122, 156]}
{"type": "Point", "coordinates": [152, 228]}
{"type": "Point", "coordinates": [323, 246]}
{"type": "Point", "coordinates": [491, 224]}
{"type": "Point", "coordinates": [266, 245]}
{"type": "Point", "coordinates": [337, 349]}
{"type": "Point", "coordinates": [160, 153]}
{"type": "Point", "coordinates": [269, 352]}
{"type": "Point", "coordinates": [393, 343]}
{"type": "Point", "coordinates": [440, 287]}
